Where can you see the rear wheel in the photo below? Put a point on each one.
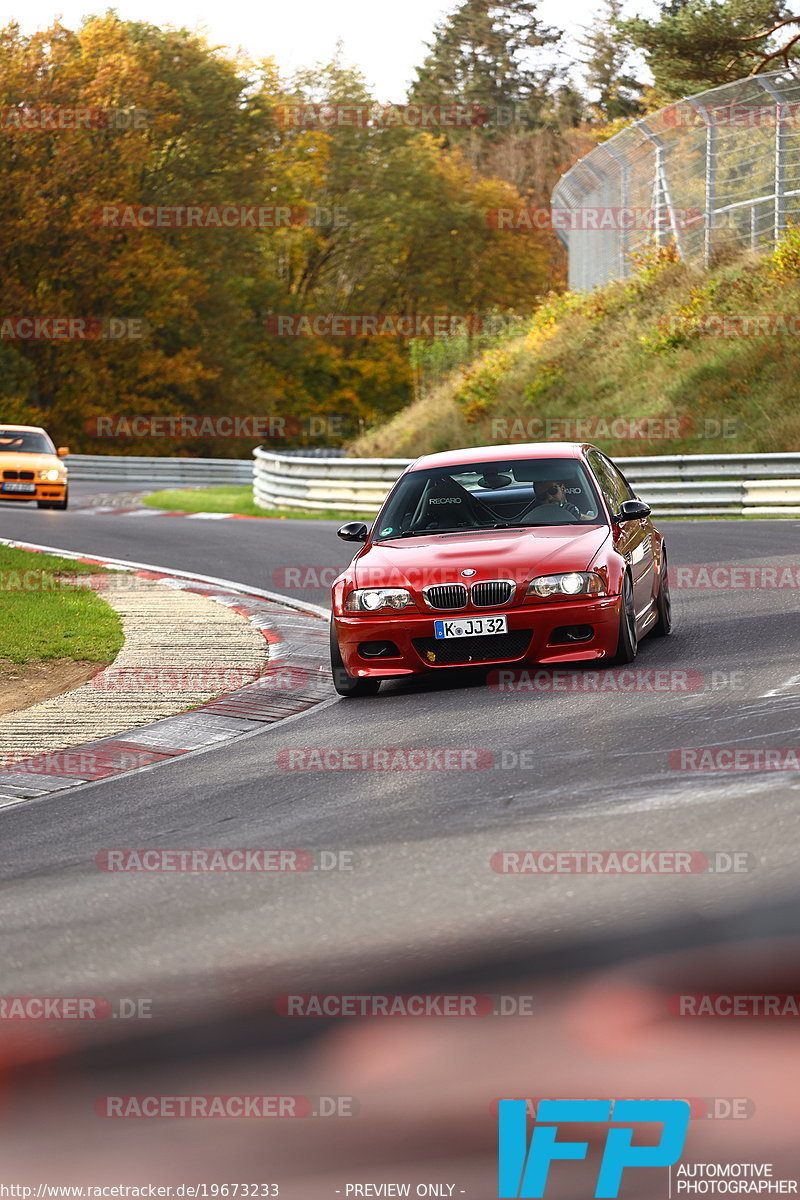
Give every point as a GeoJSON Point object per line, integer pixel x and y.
{"type": "Point", "coordinates": [627, 643]}
{"type": "Point", "coordinates": [345, 683]}
{"type": "Point", "coordinates": [663, 625]}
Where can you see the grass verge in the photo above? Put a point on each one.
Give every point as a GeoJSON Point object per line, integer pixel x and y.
{"type": "Point", "coordinates": [44, 616]}
{"type": "Point", "coordinates": [702, 354]}
{"type": "Point", "coordinates": [237, 500]}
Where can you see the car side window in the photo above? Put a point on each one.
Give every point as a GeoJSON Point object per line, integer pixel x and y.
{"type": "Point", "coordinates": [612, 485]}
{"type": "Point", "coordinates": [622, 488]}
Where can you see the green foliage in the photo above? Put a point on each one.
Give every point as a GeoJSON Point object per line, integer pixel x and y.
{"type": "Point", "coordinates": [606, 61]}
{"type": "Point", "coordinates": [488, 52]}
{"type": "Point", "coordinates": [785, 258]}
{"type": "Point", "coordinates": [700, 44]}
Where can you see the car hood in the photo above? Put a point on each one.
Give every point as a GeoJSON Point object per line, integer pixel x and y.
{"type": "Point", "coordinates": [14, 460]}
{"type": "Point", "coordinates": [516, 554]}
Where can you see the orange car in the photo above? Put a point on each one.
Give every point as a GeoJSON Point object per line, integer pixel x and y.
{"type": "Point", "coordinates": [31, 467]}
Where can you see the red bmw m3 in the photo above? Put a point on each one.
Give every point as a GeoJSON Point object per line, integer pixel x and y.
{"type": "Point", "coordinates": [529, 554]}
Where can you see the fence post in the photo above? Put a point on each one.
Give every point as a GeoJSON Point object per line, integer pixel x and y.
{"type": "Point", "coordinates": [622, 232]}
{"type": "Point", "coordinates": [711, 184]}
{"type": "Point", "coordinates": [779, 223]}
{"type": "Point", "coordinates": [661, 190]}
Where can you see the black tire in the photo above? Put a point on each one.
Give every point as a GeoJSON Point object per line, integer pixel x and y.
{"type": "Point", "coordinates": [628, 642]}
{"type": "Point", "coordinates": [663, 626]}
{"type": "Point", "coordinates": [345, 683]}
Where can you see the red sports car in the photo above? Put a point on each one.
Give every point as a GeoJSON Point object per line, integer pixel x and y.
{"type": "Point", "coordinates": [526, 554]}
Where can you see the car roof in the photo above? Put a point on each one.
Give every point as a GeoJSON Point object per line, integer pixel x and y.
{"type": "Point", "coordinates": [520, 450]}
{"type": "Point", "coordinates": [22, 428]}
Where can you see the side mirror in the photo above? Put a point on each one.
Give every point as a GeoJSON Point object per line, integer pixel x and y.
{"type": "Point", "coordinates": [62, 451]}
{"type": "Point", "coordinates": [632, 510]}
{"type": "Point", "coordinates": [353, 531]}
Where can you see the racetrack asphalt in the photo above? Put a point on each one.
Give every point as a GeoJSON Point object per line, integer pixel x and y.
{"type": "Point", "coordinates": [597, 776]}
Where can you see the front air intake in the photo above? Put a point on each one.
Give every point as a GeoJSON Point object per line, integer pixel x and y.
{"type": "Point", "coordinates": [490, 593]}
{"type": "Point", "coordinates": [445, 596]}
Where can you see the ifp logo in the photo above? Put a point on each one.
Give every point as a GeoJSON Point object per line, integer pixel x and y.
{"type": "Point", "coordinates": [523, 1171]}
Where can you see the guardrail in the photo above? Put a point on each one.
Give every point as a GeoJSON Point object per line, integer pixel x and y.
{"type": "Point", "coordinates": [115, 468]}
{"type": "Point", "coordinates": [675, 486]}
{"type": "Point", "coordinates": [359, 485]}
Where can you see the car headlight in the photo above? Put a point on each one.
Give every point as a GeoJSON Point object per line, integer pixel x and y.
{"type": "Point", "coordinates": [574, 583]}
{"type": "Point", "coordinates": [371, 599]}
{"type": "Point", "coordinates": [50, 474]}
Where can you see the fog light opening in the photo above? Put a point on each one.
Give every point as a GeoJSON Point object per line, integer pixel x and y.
{"type": "Point", "coordinates": [572, 633]}
{"type": "Point", "coordinates": [378, 650]}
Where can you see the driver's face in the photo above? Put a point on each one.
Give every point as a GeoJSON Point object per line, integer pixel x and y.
{"type": "Point", "coordinates": [558, 492]}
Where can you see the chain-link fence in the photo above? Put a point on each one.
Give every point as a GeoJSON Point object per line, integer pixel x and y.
{"type": "Point", "coordinates": [718, 169]}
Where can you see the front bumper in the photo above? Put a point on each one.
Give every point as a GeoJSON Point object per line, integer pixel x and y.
{"type": "Point", "coordinates": [44, 491]}
{"type": "Point", "coordinates": [541, 621]}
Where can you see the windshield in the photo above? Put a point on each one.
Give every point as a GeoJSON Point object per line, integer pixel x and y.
{"type": "Point", "coordinates": [491, 495]}
{"type": "Point", "coordinates": [16, 441]}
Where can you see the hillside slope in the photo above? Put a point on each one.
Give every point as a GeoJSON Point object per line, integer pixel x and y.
{"type": "Point", "coordinates": [672, 360]}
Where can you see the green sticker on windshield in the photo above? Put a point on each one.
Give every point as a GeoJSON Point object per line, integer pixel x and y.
{"type": "Point", "coordinates": [387, 530]}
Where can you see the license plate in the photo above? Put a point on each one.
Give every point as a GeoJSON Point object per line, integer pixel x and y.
{"type": "Point", "coordinates": [470, 627]}
{"type": "Point", "coordinates": [29, 489]}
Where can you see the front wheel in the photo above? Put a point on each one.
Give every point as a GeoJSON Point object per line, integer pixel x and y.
{"type": "Point", "coordinates": [663, 625]}
{"type": "Point", "coordinates": [627, 643]}
{"type": "Point", "coordinates": [345, 683]}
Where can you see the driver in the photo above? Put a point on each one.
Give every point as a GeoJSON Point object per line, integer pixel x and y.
{"type": "Point", "coordinates": [554, 491]}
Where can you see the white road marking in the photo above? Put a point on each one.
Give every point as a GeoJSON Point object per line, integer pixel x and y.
{"type": "Point", "coordinates": [781, 689]}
